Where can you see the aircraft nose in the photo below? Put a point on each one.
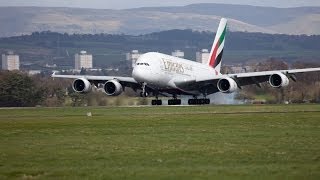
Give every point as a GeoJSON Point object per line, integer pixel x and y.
{"type": "Point", "coordinates": [138, 74]}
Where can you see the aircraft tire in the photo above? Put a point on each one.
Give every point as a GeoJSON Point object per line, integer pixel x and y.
{"type": "Point", "coordinates": [156, 102]}
{"type": "Point", "coordinates": [191, 101]}
{"type": "Point", "coordinates": [207, 101]}
{"type": "Point", "coordinates": [174, 102]}
{"type": "Point", "coordinates": [198, 101]}
{"type": "Point", "coordinates": [178, 101]}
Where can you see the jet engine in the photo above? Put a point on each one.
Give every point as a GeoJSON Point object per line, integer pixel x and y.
{"type": "Point", "coordinates": [81, 85]}
{"type": "Point", "coordinates": [278, 80]}
{"type": "Point", "coordinates": [227, 85]}
{"type": "Point", "coordinates": [113, 88]}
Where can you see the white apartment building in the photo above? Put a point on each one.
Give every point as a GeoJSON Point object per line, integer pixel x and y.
{"type": "Point", "coordinates": [178, 53]}
{"type": "Point", "coordinates": [203, 56]}
{"type": "Point", "coordinates": [10, 61]}
{"type": "Point", "coordinates": [83, 60]}
{"type": "Point", "coordinates": [133, 56]}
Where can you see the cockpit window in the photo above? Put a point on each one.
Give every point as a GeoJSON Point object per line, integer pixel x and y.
{"type": "Point", "coordinates": [143, 64]}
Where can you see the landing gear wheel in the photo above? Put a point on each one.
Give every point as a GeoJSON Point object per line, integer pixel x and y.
{"type": "Point", "coordinates": [156, 102]}
{"type": "Point", "coordinates": [198, 101]}
{"type": "Point", "coordinates": [144, 94]}
{"type": "Point", "coordinates": [174, 102]}
{"type": "Point", "coordinates": [191, 101]}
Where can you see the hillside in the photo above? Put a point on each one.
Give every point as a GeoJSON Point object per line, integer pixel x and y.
{"type": "Point", "coordinates": [108, 50]}
{"type": "Point", "coordinates": [203, 17]}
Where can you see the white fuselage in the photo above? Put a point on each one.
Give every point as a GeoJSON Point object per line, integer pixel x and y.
{"type": "Point", "coordinates": [160, 71]}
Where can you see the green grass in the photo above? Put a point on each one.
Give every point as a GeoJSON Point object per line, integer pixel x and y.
{"type": "Point", "coordinates": [204, 142]}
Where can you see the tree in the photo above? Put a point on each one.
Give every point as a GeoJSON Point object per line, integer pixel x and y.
{"type": "Point", "coordinates": [19, 90]}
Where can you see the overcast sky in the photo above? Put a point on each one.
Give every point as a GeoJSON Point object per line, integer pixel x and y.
{"type": "Point", "coordinates": [123, 4]}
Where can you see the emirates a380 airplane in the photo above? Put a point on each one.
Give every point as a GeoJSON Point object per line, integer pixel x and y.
{"type": "Point", "coordinates": [161, 74]}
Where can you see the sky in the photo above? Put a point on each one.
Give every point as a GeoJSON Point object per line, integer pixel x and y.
{"type": "Point", "coordinates": [124, 4]}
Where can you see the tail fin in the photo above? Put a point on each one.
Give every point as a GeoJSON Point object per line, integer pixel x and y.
{"type": "Point", "coordinates": [218, 46]}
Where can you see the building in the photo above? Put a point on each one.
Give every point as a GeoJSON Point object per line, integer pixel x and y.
{"type": "Point", "coordinates": [10, 61]}
{"type": "Point", "coordinates": [34, 72]}
{"type": "Point", "coordinates": [133, 56]}
{"type": "Point", "coordinates": [178, 53]}
{"type": "Point", "coordinates": [83, 60]}
{"type": "Point", "coordinates": [203, 56]}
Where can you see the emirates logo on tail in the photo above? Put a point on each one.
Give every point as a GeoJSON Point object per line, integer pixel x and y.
{"type": "Point", "coordinates": [218, 46]}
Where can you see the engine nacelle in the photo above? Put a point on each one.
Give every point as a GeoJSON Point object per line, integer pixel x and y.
{"type": "Point", "coordinates": [278, 80]}
{"type": "Point", "coordinates": [81, 85]}
{"type": "Point", "coordinates": [113, 88]}
{"type": "Point", "coordinates": [227, 85]}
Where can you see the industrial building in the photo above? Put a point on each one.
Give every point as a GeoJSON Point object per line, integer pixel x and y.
{"type": "Point", "coordinates": [10, 61]}
{"type": "Point", "coordinates": [83, 60]}
{"type": "Point", "coordinates": [203, 56]}
{"type": "Point", "coordinates": [178, 53]}
{"type": "Point", "coordinates": [133, 56]}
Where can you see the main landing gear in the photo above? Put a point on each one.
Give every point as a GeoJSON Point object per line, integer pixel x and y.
{"type": "Point", "coordinates": [196, 101]}
{"type": "Point", "coordinates": [174, 101]}
{"type": "Point", "coordinates": [156, 102]}
{"type": "Point", "coordinates": [171, 102]}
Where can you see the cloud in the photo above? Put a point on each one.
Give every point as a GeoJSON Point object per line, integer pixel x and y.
{"type": "Point", "coordinates": [122, 4]}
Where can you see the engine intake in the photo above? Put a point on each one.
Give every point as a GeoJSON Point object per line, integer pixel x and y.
{"type": "Point", "coordinates": [81, 85]}
{"type": "Point", "coordinates": [227, 85]}
{"type": "Point", "coordinates": [278, 80]}
{"type": "Point", "coordinates": [113, 88]}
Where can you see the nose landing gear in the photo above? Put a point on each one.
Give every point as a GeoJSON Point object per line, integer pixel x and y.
{"type": "Point", "coordinates": [144, 93]}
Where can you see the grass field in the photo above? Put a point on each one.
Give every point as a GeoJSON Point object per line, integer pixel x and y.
{"type": "Point", "coordinates": [204, 142]}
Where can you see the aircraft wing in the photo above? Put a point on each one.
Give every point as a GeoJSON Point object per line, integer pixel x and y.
{"type": "Point", "coordinates": [242, 79]}
{"type": "Point", "coordinates": [95, 78]}
{"type": "Point", "coordinates": [126, 81]}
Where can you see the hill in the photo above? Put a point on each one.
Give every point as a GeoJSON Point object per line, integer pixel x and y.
{"type": "Point", "coordinates": [203, 17]}
{"type": "Point", "coordinates": [55, 48]}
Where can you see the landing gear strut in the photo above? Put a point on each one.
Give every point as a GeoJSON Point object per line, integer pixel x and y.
{"type": "Point", "coordinates": [156, 102]}
{"type": "Point", "coordinates": [144, 93]}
